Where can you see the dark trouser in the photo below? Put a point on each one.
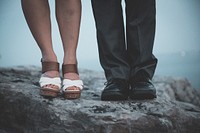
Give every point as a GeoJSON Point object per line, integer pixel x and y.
{"type": "Point", "coordinates": [123, 56]}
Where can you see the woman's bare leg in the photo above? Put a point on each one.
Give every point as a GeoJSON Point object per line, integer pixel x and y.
{"type": "Point", "coordinates": [68, 13]}
{"type": "Point", "coordinates": [37, 14]}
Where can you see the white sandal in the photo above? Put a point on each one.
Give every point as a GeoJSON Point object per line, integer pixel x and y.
{"type": "Point", "coordinates": [45, 81]}
{"type": "Point", "coordinates": [67, 83]}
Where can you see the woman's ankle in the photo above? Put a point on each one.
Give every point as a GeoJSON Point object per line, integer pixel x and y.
{"type": "Point", "coordinates": [69, 59]}
{"type": "Point", "coordinates": [71, 76]}
{"type": "Point", "coordinates": [49, 58]}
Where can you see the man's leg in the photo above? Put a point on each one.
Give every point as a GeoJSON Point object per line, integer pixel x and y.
{"type": "Point", "coordinates": [110, 36]}
{"type": "Point", "coordinates": [111, 44]}
{"type": "Point", "coordinates": [140, 22]}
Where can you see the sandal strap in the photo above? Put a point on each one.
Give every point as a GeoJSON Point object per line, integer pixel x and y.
{"type": "Point", "coordinates": [70, 83]}
{"type": "Point", "coordinates": [49, 66]}
{"type": "Point", "coordinates": [69, 68]}
{"type": "Point", "coordinates": [47, 80]}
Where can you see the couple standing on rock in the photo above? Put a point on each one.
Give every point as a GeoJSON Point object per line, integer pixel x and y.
{"type": "Point", "coordinates": [126, 58]}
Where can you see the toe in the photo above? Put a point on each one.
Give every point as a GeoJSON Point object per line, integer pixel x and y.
{"type": "Point", "coordinates": [73, 88]}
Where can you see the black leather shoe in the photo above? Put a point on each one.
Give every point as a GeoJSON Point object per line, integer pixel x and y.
{"type": "Point", "coordinates": [115, 90]}
{"type": "Point", "coordinates": [142, 88]}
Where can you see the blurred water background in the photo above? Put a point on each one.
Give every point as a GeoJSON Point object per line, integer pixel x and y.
{"type": "Point", "coordinates": [177, 41]}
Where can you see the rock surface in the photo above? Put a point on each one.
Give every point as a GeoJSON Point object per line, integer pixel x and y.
{"type": "Point", "coordinates": [23, 110]}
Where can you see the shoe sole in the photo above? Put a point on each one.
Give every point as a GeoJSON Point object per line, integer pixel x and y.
{"type": "Point", "coordinates": [113, 96]}
{"type": "Point", "coordinates": [143, 96]}
{"type": "Point", "coordinates": [72, 95]}
{"type": "Point", "coordinates": [48, 93]}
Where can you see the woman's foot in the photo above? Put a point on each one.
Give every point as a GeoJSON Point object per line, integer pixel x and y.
{"type": "Point", "coordinates": [50, 81]}
{"type": "Point", "coordinates": [72, 85]}
{"type": "Point", "coordinates": [51, 74]}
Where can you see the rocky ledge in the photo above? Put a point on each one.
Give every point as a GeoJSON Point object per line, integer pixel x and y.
{"type": "Point", "coordinates": [23, 110]}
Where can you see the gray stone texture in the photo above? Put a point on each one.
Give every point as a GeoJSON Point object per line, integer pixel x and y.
{"type": "Point", "coordinates": [23, 110]}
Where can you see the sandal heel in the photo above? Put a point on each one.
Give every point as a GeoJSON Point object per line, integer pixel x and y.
{"type": "Point", "coordinates": [45, 80]}
{"type": "Point", "coordinates": [72, 95]}
{"type": "Point", "coordinates": [48, 93]}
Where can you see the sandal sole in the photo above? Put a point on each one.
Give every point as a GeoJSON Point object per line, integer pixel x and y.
{"type": "Point", "coordinates": [72, 95]}
{"type": "Point", "coordinates": [48, 93]}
